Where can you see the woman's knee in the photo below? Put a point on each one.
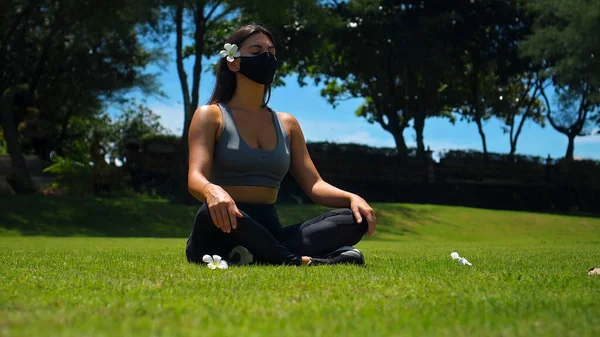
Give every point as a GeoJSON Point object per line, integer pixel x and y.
{"type": "Point", "coordinates": [348, 213]}
{"type": "Point", "coordinates": [202, 215]}
{"type": "Point", "coordinates": [345, 216]}
{"type": "Point", "coordinates": [361, 226]}
{"type": "Point", "coordinates": [341, 213]}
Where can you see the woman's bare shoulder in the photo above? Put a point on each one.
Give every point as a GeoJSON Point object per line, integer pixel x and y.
{"type": "Point", "coordinates": [207, 118]}
{"type": "Point", "coordinates": [209, 112]}
{"type": "Point", "coordinates": [287, 119]}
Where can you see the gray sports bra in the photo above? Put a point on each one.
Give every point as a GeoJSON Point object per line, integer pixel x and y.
{"type": "Point", "coordinates": [235, 163]}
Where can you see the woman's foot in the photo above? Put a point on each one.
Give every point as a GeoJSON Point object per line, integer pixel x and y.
{"type": "Point", "coordinates": [240, 256]}
{"type": "Point", "coordinates": [344, 255]}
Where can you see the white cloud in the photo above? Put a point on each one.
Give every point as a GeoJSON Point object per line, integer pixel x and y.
{"type": "Point", "coordinates": [357, 132]}
{"type": "Point", "coordinates": [365, 138]}
{"type": "Point", "coordinates": [171, 116]}
{"type": "Point", "coordinates": [594, 138]}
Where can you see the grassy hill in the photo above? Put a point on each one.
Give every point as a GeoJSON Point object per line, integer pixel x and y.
{"type": "Point", "coordinates": [147, 217]}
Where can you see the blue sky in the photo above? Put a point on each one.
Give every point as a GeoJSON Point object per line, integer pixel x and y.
{"type": "Point", "coordinates": [321, 122]}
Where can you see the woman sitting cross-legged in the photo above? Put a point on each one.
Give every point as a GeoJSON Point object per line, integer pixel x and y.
{"type": "Point", "coordinates": [240, 150]}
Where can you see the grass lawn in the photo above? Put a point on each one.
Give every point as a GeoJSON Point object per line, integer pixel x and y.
{"type": "Point", "coordinates": [61, 276]}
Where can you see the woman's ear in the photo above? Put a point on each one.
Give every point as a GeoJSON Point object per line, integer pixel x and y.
{"type": "Point", "coordinates": [234, 66]}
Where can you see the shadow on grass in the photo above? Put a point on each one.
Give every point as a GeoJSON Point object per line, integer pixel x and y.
{"type": "Point", "coordinates": [147, 217]}
{"type": "Point", "coordinates": [88, 216]}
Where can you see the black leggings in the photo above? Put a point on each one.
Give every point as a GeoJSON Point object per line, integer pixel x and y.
{"type": "Point", "coordinates": [262, 234]}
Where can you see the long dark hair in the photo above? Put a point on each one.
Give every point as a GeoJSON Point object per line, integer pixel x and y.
{"type": "Point", "coordinates": [226, 79]}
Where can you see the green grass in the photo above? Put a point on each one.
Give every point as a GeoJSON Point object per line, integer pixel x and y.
{"type": "Point", "coordinates": [528, 276]}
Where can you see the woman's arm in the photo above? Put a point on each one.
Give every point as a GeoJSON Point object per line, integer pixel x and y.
{"type": "Point", "coordinates": [201, 142]}
{"type": "Point", "coordinates": [309, 179]}
{"type": "Point", "coordinates": [202, 136]}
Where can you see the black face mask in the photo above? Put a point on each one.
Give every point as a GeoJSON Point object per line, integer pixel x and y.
{"type": "Point", "coordinates": [260, 69]}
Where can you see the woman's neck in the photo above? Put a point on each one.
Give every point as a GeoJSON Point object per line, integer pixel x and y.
{"type": "Point", "coordinates": [248, 95]}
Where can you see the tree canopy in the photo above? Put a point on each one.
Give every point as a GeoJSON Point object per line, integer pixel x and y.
{"type": "Point", "coordinates": [515, 61]}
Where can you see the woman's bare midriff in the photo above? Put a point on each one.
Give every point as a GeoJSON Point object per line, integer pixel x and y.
{"type": "Point", "coordinates": [252, 194]}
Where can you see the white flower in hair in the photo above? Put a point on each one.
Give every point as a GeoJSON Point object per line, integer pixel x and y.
{"type": "Point", "coordinates": [214, 262]}
{"type": "Point", "coordinates": [230, 52]}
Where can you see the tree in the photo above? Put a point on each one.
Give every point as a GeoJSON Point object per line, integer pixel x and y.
{"type": "Point", "coordinates": [56, 64]}
{"type": "Point", "coordinates": [200, 20]}
{"type": "Point", "coordinates": [518, 101]}
{"type": "Point", "coordinates": [413, 60]}
{"type": "Point", "coordinates": [566, 43]}
{"type": "Point", "coordinates": [575, 105]}
{"type": "Point", "coordinates": [486, 36]}
{"type": "Point", "coordinates": [387, 53]}
{"type": "Point", "coordinates": [134, 123]}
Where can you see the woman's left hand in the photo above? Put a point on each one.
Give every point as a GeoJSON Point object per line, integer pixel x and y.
{"type": "Point", "coordinates": [361, 209]}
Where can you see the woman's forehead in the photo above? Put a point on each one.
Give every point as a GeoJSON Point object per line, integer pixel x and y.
{"type": "Point", "coordinates": [258, 39]}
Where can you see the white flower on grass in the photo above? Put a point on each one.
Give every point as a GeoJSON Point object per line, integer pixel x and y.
{"type": "Point", "coordinates": [463, 262]}
{"type": "Point", "coordinates": [230, 52]}
{"type": "Point", "coordinates": [214, 262]}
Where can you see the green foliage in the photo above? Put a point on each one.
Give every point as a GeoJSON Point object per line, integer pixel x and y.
{"type": "Point", "coordinates": [353, 150]}
{"type": "Point", "coordinates": [566, 39]}
{"type": "Point", "coordinates": [3, 149]}
{"type": "Point", "coordinates": [74, 172]}
{"type": "Point", "coordinates": [571, 107]}
{"type": "Point", "coordinates": [161, 138]}
{"type": "Point", "coordinates": [518, 101]}
{"type": "Point", "coordinates": [411, 60]}
{"type": "Point", "coordinates": [566, 43]}
{"type": "Point", "coordinates": [486, 36]}
{"type": "Point", "coordinates": [62, 67]}
{"type": "Point", "coordinates": [471, 156]}
{"type": "Point", "coordinates": [83, 128]}
{"type": "Point", "coordinates": [136, 123]}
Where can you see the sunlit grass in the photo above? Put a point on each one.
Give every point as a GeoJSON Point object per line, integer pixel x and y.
{"type": "Point", "coordinates": [528, 276]}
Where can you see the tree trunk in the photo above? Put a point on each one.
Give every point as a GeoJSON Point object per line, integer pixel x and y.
{"type": "Point", "coordinates": [181, 163]}
{"type": "Point", "coordinates": [19, 177]}
{"type": "Point", "coordinates": [476, 105]}
{"type": "Point", "coordinates": [197, 71]}
{"type": "Point", "coordinates": [514, 137]}
{"type": "Point", "coordinates": [180, 68]}
{"type": "Point", "coordinates": [419, 126]}
{"type": "Point", "coordinates": [513, 149]}
{"type": "Point", "coordinates": [400, 143]}
{"type": "Point", "coordinates": [190, 99]}
{"type": "Point", "coordinates": [482, 134]}
{"type": "Point", "coordinates": [570, 147]}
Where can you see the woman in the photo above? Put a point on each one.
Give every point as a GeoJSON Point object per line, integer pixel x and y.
{"type": "Point", "coordinates": [240, 150]}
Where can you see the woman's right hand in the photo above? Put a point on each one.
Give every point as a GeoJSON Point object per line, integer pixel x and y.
{"type": "Point", "coordinates": [222, 208]}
